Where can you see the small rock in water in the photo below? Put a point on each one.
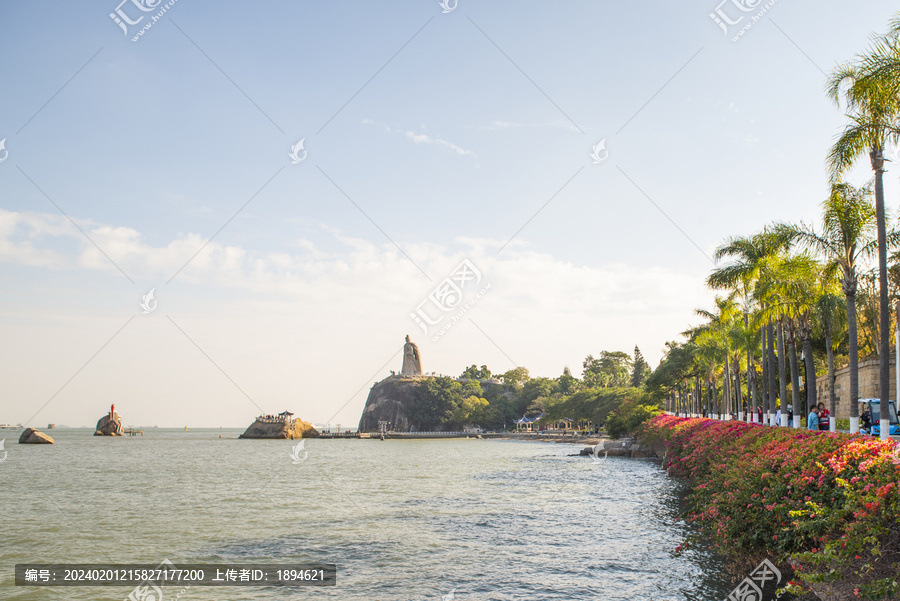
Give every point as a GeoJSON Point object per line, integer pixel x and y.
{"type": "Point", "coordinates": [32, 436]}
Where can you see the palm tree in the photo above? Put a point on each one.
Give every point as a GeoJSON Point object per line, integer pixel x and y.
{"type": "Point", "coordinates": [782, 391]}
{"type": "Point", "coordinates": [789, 291]}
{"type": "Point", "coordinates": [871, 91]}
{"type": "Point", "coordinates": [748, 254]}
{"type": "Point", "coordinates": [848, 235]}
{"type": "Point", "coordinates": [830, 314]}
{"type": "Point", "coordinates": [713, 340]}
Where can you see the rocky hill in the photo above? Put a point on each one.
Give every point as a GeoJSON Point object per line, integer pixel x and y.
{"type": "Point", "coordinates": [280, 427]}
{"type": "Point", "coordinates": [386, 402]}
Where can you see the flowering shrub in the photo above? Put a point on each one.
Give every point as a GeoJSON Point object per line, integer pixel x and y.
{"type": "Point", "coordinates": [828, 501]}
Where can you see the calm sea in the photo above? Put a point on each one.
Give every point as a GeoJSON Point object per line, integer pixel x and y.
{"type": "Point", "coordinates": [404, 520]}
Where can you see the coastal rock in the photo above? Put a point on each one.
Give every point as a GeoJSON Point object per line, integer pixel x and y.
{"type": "Point", "coordinates": [110, 425]}
{"type": "Point", "coordinates": [389, 397]}
{"type": "Point", "coordinates": [386, 402]}
{"type": "Point", "coordinates": [283, 425]}
{"type": "Point", "coordinates": [32, 436]}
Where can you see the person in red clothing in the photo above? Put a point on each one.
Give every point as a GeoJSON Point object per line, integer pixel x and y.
{"type": "Point", "coordinates": [824, 422]}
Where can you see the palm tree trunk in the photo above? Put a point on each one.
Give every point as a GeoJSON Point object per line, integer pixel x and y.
{"type": "Point", "coordinates": [699, 395]}
{"type": "Point", "coordinates": [715, 398]}
{"type": "Point", "coordinates": [853, 342]}
{"type": "Point", "coordinates": [811, 392]}
{"type": "Point", "coordinates": [795, 380]}
{"type": "Point", "coordinates": [749, 357]}
{"type": "Point", "coordinates": [832, 401]}
{"type": "Point", "coordinates": [738, 399]}
{"type": "Point", "coordinates": [772, 395]}
{"type": "Point", "coordinates": [782, 376]}
{"type": "Point", "coordinates": [726, 385]}
{"type": "Point", "coordinates": [754, 395]}
{"type": "Point", "coordinates": [764, 385]}
{"type": "Point", "coordinates": [883, 307]}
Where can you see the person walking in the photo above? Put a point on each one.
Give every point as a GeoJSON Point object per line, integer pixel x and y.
{"type": "Point", "coordinates": [812, 420]}
{"type": "Point", "coordinates": [824, 414]}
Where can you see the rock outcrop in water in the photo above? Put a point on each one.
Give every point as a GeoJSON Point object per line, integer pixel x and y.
{"type": "Point", "coordinates": [32, 436]}
{"type": "Point", "coordinates": [386, 402]}
{"type": "Point", "coordinates": [389, 398]}
{"type": "Point", "coordinates": [110, 424]}
{"type": "Point", "coordinates": [283, 425]}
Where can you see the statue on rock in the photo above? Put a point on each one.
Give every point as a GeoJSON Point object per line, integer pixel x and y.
{"type": "Point", "coordinates": [412, 360]}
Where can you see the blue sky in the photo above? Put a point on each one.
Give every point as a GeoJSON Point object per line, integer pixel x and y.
{"type": "Point", "coordinates": [431, 138]}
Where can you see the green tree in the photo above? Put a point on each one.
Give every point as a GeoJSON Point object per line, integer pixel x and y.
{"type": "Point", "coordinates": [830, 311]}
{"type": "Point", "coordinates": [747, 257]}
{"type": "Point", "coordinates": [640, 369]}
{"type": "Point", "coordinates": [611, 370]}
{"type": "Point", "coordinates": [469, 411]}
{"type": "Point", "coordinates": [677, 367]}
{"type": "Point", "coordinates": [536, 388]}
{"type": "Point", "coordinates": [435, 401]}
{"type": "Point", "coordinates": [848, 235]}
{"type": "Point", "coordinates": [475, 373]}
{"type": "Point", "coordinates": [790, 293]}
{"type": "Point", "coordinates": [567, 383]}
{"type": "Point", "coordinates": [714, 340]}
{"type": "Point", "coordinates": [870, 88]}
{"type": "Point", "coordinates": [515, 378]}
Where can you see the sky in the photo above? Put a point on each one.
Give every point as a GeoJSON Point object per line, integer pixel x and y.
{"type": "Point", "coordinates": [246, 208]}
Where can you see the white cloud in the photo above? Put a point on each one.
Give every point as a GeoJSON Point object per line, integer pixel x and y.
{"type": "Point", "coordinates": [426, 139]}
{"type": "Point", "coordinates": [499, 125]}
{"type": "Point", "coordinates": [321, 320]}
{"type": "Point", "coordinates": [423, 138]}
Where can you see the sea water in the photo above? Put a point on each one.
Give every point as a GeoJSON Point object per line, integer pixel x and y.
{"type": "Point", "coordinates": [458, 519]}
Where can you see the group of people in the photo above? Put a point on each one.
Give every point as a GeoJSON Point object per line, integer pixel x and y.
{"type": "Point", "coordinates": [818, 418]}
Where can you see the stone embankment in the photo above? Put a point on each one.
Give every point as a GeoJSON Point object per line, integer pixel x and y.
{"type": "Point", "coordinates": [625, 447]}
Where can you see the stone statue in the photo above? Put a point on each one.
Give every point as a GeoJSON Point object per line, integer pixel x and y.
{"type": "Point", "coordinates": [412, 360]}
